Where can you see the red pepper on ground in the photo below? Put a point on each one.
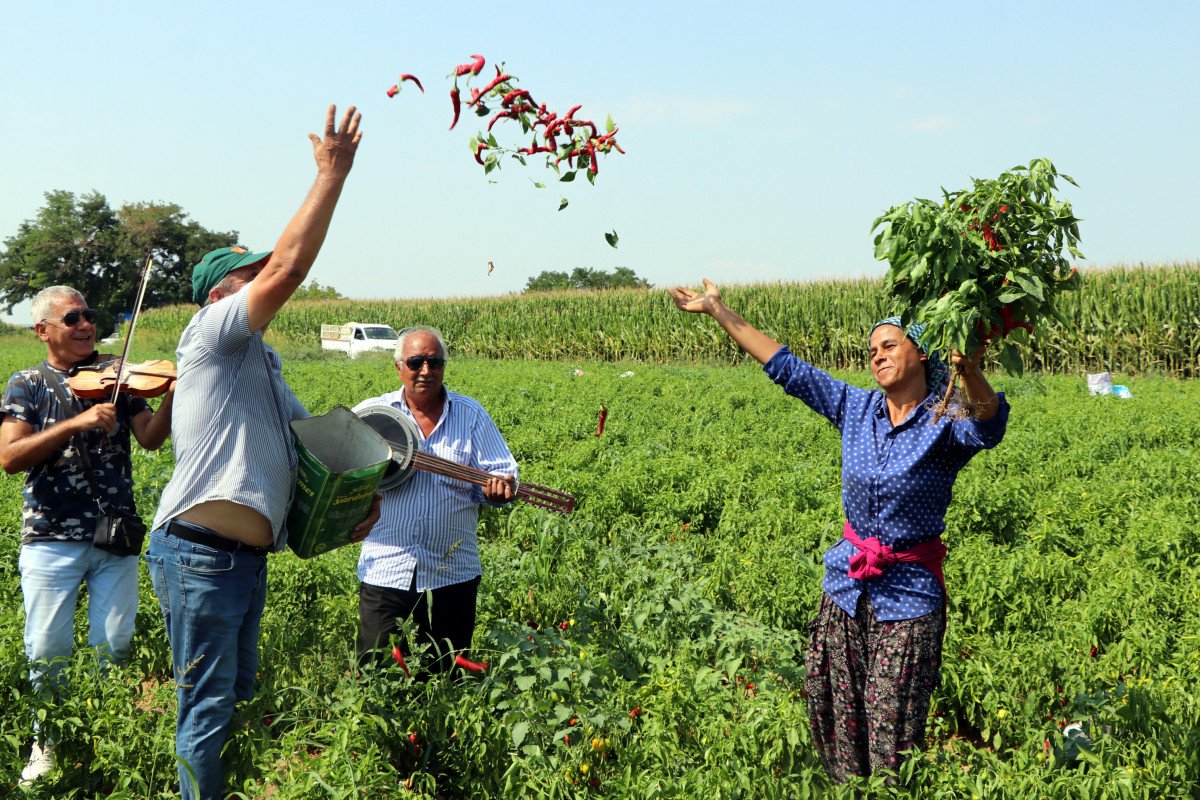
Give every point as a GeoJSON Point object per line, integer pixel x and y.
{"type": "Point", "coordinates": [600, 421]}
{"type": "Point", "coordinates": [457, 106]}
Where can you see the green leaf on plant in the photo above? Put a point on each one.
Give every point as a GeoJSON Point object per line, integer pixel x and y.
{"type": "Point", "coordinates": [525, 682]}
{"type": "Point", "coordinates": [1010, 359]}
{"type": "Point", "coordinates": [568, 177]}
{"type": "Point", "coordinates": [609, 125]}
{"type": "Point", "coordinates": [518, 733]}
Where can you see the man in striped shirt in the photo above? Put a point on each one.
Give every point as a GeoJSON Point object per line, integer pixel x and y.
{"type": "Point", "coordinates": [422, 558]}
{"type": "Point", "coordinates": [224, 507]}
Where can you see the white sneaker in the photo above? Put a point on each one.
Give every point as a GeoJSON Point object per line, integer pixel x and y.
{"type": "Point", "coordinates": [41, 761]}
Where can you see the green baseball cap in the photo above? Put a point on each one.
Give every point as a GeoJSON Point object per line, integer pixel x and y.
{"type": "Point", "coordinates": [216, 265]}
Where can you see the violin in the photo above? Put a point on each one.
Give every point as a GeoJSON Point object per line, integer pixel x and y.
{"type": "Point", "coordinates": [147, 379]}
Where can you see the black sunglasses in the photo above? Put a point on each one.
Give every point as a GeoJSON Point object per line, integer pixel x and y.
{"type": "Point", "coordinates": [71, 318]}
{"type": "Point", "coordinates": [414, 362]}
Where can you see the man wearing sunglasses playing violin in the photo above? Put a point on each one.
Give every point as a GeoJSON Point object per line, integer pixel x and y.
{"type": "Point", "coordinates": [422, 559]}
{"type": "Point", "coordinates": [43, 430]}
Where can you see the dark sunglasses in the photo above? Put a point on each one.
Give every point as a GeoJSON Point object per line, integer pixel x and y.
{"type": "Point", "coordinates": [414, 362]}
{"type": "Point", "coordinates": [71, 318]}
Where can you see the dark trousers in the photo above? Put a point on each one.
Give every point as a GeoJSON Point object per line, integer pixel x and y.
{"type": "Point", "coordinates": [445, 618]}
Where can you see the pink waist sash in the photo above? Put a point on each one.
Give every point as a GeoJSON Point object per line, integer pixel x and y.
{"type": "Point", "coordinates": [872, 556]}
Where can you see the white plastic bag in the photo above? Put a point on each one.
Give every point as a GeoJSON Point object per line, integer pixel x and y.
{"type": "Point", "coordinates": [1099, 383]}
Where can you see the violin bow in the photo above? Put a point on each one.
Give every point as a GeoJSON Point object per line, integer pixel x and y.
{"type": "Point", "coordinates": [133, 318]}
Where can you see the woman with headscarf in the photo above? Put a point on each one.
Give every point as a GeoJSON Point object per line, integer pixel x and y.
{"type": "Point", "coordinates": [876, 645]}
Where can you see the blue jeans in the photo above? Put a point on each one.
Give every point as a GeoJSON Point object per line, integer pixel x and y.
{"type": "Point", "coordinates": [51, 573]}
{"type": "Point", "coordinates": [212, 603]}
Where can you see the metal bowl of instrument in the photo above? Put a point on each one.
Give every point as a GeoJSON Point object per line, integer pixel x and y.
{"type": "Point", "coordinates": [402, 437]}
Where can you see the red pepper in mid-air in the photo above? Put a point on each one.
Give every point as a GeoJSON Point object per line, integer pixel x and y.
{"type": "Point", "coordinates": [413, 78]}
{"type": "Point", "coordinates": [479, 148]}
{"type": "Point", "coordinates": [457, 106]}
{"type": "Point", "coordinates": [473, 68]}
{"type": "Point", "coordinates": [593, 167]}
{"type": "Point", "coordinates": [392, 92]}
{"type": "Point", "coordinates": [496, 81]}
{"type": "Point", "coordinates": [600, 421]}
{"type": "Point", "coordinates": [512, 96]}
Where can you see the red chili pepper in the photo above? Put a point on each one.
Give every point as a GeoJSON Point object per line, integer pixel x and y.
{"type": "Point", "coordinates": [634, 712]}
{"type": "Point", "coordinates": [600, 421]}
{"type": "Point", "coordinates": [509, 114]}
{"type": "Point", "coordinates": [1003, 209]}
{"type": "Point", "coordinates": [473, 68]}
{"type": "Point", "coordinates": [512, 96]}
{"type": "Point", "coordinates": [496, 81]}
{"type": "Point", "coordinates": [479, 148]}
{"type": "Point", "coordinates": [593, 165]}
{"type": "Point", "coordinates": [396, 654]}
{"type": "Point", "coordinates": [571, 113]}
{"type": "Point", "coordinates": [463, 662]}
{"type": "Point", "coordinates": [413, 78]}
{"type": "Point", "coordinates": [392, 92]}
{"type": "Point", "coordinates": [1093, 653]}
{"type": "Point", "coordinates": [457, 107]}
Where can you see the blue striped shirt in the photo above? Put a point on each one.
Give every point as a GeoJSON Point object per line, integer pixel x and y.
{"type": "Point", "coordinates": [896, 481]}
{"type": "Point", "coordinates": [230, 419]}
{"type": "Point", "coordinates": [427, 527]}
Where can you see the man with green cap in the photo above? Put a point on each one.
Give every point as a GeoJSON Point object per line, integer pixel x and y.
{"type": "Point", "coordinates": [224, 507]}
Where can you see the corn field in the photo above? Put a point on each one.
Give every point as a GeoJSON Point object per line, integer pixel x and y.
{"type": "Point", "coordinates": [1128, 320]}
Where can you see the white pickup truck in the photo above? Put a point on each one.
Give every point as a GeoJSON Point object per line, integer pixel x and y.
{"type": "Point", "coordinates": [358, 337]}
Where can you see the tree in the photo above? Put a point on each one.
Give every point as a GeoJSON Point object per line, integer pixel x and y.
{"type": "Point", "coordinates": [584, 278]}
{"type": "Point", "coordinates": [81, 242]}
{"type": "Point", "coordinates": [315, 291]}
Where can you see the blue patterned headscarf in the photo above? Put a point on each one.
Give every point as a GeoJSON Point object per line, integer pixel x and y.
{"type": "Point", "coordinates": [937, 372]}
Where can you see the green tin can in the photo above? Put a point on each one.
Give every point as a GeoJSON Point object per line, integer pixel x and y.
{"type": "Point", "coordinates": [341, 461]}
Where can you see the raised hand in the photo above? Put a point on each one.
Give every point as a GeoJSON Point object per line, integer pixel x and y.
{"type": "Point", "coordinates": [335, 153]}
{"type": "Point", "coordinates": [696, 302]}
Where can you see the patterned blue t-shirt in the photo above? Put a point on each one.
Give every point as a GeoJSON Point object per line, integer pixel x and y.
{"type": "Point", "coordinates": [896, 481]}
{"type": "Point", "coordinates": [57, 503]}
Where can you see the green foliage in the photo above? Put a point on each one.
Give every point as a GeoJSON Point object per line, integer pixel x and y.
{"type": "Point", "coordinates": [1128, 320]}
{"type": "Point", "coordinates": [682, 587]}
{"type": "Point", "coordinates": [585, 278]}
{"type": "Point", "coordinates": [315, 291]}
{"type": "Point", "coordinates": [982, 261]}
{"type": "Point", "coordinates": [81, 242]}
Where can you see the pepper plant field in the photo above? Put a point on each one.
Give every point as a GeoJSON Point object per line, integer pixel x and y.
{"type": "Point", "coordinates": [651, 644]}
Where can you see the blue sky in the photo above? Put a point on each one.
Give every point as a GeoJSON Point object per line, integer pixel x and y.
{"type": "Point", "coordinates": [762, 138]}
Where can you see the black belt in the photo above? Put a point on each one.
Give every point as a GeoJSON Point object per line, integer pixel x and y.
{"type": "Point", "coordinates": [197, 535]}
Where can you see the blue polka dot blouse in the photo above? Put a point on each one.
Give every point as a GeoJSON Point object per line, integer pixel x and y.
{"type": "Point", "coordinates": [896, 481]}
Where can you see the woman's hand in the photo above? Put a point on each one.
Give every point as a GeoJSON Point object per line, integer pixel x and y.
{"type": "Point", "coordinates": [968, 364]}
{"type": "Point", "coordinates": [696, 302]}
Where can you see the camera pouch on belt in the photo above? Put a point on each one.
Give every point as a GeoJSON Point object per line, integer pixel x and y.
{"type": "Point", "coordinates": [119, 531]}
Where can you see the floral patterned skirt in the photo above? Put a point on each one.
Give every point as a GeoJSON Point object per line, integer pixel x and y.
{"type": "Point", "coordinates": [869, 684]}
